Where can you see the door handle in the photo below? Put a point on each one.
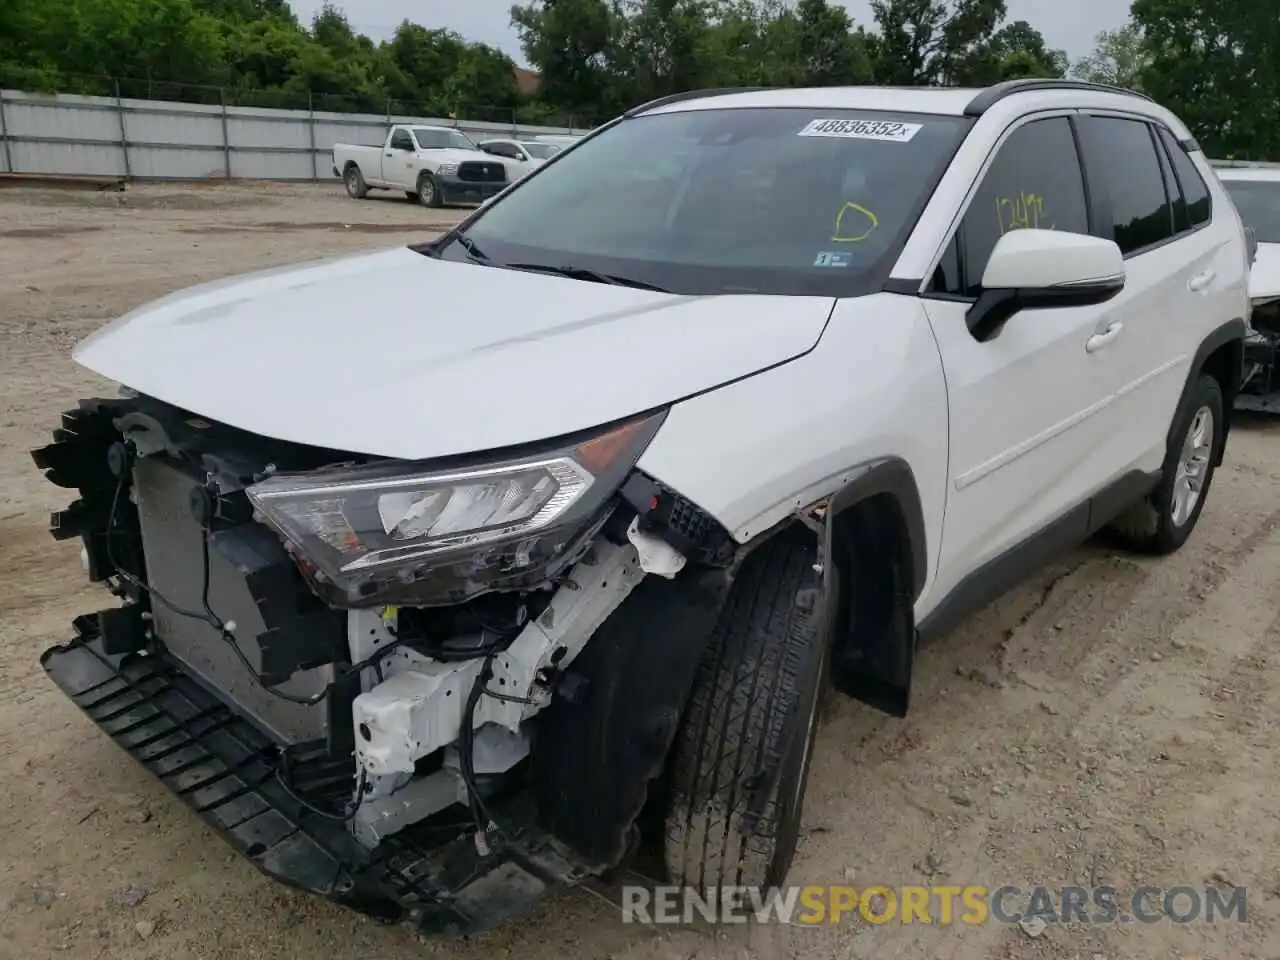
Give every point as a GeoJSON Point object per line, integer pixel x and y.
{"type": "Point", "coordinates": [1100, 340]}
{"type": "Point", "coordinates": [1200, 282]}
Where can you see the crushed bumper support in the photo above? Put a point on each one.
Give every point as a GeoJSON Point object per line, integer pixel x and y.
{"type": "Point", "coordinates": [224, 769]}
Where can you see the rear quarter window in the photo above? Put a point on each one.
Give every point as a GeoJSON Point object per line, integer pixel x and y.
{"type": "Point", "coordinates": [1195, 192]}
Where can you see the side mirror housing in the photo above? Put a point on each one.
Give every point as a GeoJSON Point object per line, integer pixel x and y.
{"type": "Point", "coordinates": [1037, 269]}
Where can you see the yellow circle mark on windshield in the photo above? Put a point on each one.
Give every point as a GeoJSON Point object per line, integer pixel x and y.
{"type": "Point", "coordinates": [851, 219]}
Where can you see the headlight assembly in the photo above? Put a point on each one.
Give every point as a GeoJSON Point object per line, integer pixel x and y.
{"type": "Point", "coordinates": [426, 534]}
{"type": "Point", "coordinates": [447, 169]}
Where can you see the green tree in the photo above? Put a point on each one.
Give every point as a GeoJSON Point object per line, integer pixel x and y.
{"type": "Point", "coordinates": [482, 85]}
{"type": "Point", "coordinates": [936, 42]}
{"type": "Point", "coordinates": [830, 51]}
{"type": "Point", "coordinates": [1119, 59]}
{"type": "Point", "coordinates": [246, 11]}
{"type": "Point", "coordinates": [657, 47]}
{"type": "Point", "coordinates": [1217, 65]}
{"type": "Point", "coordinates": [572, 44]}
{"type": "Point", "coordinates": [1020, 51]}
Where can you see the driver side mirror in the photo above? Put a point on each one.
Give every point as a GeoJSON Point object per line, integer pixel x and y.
{"type": "Point", "coordinates": [1037, 269]}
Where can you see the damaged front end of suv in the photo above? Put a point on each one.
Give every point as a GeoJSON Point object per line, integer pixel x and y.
{"type": "Point", "coordinates": [1260, 391]}
{"type": "Point", "coordinates": [373, 676]}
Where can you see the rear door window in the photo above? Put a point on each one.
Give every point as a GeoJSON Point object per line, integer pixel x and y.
{"type": "Point", "coordinates": [1123, 164]}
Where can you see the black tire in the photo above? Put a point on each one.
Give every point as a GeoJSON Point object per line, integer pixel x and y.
{"type": "Point", "coordinates": [754, 707]}
{"type": "Point", "coordinates": [1156, 525]}
{"type": "Point", "coordinates": [353, 179]}
{"type": "Point", "coordinates": [429, 191]}
{"type": "Point", "coordinates": [411, 195]}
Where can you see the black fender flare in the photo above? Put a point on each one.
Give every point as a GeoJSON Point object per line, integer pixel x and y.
{"type": "Point", "coordinates": [875, 642]}
{"type": "Point", "coordinates": [893, 476]}
{"type": "Point", "coordinates": [1233, 331]}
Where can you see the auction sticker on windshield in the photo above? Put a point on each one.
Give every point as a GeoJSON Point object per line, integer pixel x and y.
{"type": "Point", "coordinates": [888, 130]}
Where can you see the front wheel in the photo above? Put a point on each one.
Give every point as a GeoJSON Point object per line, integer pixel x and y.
{"type": "Point", "coordinates": [741, 759]}
{"type": "Point", "coordinates": [1162, 522]}
{"type": "Point", "coordinates": [429, 191]}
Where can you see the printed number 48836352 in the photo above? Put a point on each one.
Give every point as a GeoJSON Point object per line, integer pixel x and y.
{"type": "Point", "coordinates": [887, 130]}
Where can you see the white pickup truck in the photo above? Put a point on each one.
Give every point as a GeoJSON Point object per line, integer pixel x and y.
{"type": "Point", "coordinates": [435, 165]}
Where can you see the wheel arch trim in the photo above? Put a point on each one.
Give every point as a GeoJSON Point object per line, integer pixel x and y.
{"type": "Point", "coordinates": [1234, 331]}
{"type": "Point", "coordinates": [892, 476]}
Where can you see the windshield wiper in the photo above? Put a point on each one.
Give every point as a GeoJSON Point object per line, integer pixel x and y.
{"type": "Point", "coordinates": [469, 245]}
{"type": "Point", "coordinates": [582, 273]}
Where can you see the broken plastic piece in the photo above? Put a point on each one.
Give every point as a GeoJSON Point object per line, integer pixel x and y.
{"type": "Point", "coordinates": [656, 555]}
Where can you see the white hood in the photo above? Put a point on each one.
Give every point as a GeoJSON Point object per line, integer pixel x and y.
{"type": "Point", "coordinates": [452, 155]}
{"type": "Point", "coordinates": [1264, 275]}
{"type": "Point", "coordinates": [396, 354]}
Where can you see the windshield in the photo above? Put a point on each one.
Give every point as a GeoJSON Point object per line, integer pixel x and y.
{"type": "Point", "coordinates": [791, 201]}
{"type": "Point", "coordinates": [1259, 204]}
{"type": "Point", "coordinates": [540, 151]}
{"type": "Point", "coordinates": [429, 139]}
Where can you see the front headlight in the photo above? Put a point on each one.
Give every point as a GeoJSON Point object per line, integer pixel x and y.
{"type": "Point", "coordinates": [447, 169]}
{"type": "Point", "coordinates": [413, 533]}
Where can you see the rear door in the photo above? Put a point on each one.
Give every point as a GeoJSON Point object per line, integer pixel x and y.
{"type": "Point", "coordinates": [1173, 286]}
{"type": "Point", "coordinates": [1028, 408]}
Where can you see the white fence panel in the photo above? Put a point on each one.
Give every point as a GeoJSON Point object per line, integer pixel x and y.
{"type": "Point", "coordinates": [163, 140]}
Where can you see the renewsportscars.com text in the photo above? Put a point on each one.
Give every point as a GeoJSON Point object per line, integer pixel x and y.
{"type": "Point", "coordinates": [943, 905]}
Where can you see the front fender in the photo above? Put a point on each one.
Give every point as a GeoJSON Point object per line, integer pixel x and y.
{"type": "Point", "coordinates": [865, 408]}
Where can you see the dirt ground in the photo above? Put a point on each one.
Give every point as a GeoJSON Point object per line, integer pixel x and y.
{"type": "Point", "coordinates": [1114, 721]}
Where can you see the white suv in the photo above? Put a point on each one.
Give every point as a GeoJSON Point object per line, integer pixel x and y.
{"type": "Point", "coordinates": [435, 617]}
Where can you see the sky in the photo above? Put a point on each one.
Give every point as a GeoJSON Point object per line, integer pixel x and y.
{"type": "Point", "coordinates": [1065, 25]}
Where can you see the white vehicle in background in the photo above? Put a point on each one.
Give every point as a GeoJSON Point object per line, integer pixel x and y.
{"type": "Point", "coordinates": [520, 156]}
{"type": "Point", "coordinates": [1255, 190]}
{"type": "Point", "coordinates": [434, 165]}
{"type": "Point", "coordinates": [564, 141]}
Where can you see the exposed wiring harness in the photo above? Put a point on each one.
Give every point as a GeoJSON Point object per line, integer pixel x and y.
{"type": "Point", "coordinates": [336, 817]}
{"type": "Point", "coordinates": [480, 814]}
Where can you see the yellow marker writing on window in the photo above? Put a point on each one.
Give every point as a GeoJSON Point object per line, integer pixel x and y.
{"type": "Point", "coordinates": [1022, 212]}
{"type": "Point", "coordinates": [854, 223]}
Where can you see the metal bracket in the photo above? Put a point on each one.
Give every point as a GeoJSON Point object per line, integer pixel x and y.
{"type": "Point", "coordinates": [420, 708]}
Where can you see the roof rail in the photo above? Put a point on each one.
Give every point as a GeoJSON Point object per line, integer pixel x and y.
{"type": "Point", "coordinates": [993, 94]}
{"type": "Point", "coordinates": [690, 95]}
